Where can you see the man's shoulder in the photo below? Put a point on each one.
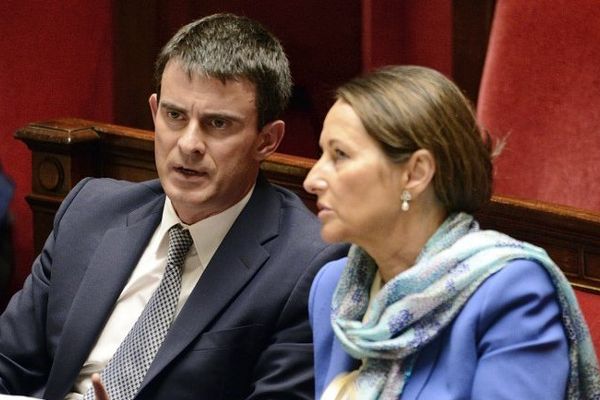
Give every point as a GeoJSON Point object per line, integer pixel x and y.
{"type": "Point", "coordinates": [298, 225]}
{"type": "Point", "coordinates": [104, 196]}
{"type": "Point", "coordinates": [289, 198]}
{"type": "Point", "coordinates": [114, 187]}
{"type": "Point", "coordinates": [294, 210]}
{"type": "Point", "coordinates": [298, 237]}
{"type": "Point", "coordinates": [110, 190]}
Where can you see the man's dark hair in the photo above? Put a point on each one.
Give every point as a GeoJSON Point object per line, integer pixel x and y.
{"type": "Point", "coordinates": [226, 46]}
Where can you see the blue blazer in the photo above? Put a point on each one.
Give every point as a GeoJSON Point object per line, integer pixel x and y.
{"type": "Point", "coordinates": [508, 342]}
{"type": "Point", "coordinates": [243, 333]}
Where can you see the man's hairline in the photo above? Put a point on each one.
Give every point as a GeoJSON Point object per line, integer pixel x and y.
{"type": "Point", "coordinates": [234, 78]}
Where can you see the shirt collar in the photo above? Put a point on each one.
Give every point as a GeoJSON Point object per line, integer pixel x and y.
{"type": "Point", "coordinates": [207, 233]}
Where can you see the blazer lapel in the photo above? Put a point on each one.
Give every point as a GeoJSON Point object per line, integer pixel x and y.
{"type": "Point", "coordinates": [236, 261]}
{"type": "Point", "coordinates": [108, 272]}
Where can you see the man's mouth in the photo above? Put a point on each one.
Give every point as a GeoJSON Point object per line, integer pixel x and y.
{"type": "Point", "coordinates": [186, 171]}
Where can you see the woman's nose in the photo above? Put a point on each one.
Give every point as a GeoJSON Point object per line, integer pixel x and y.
{"type": "Point", "coordinates": [314, 182]}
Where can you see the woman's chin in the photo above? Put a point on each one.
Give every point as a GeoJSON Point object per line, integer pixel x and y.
{"type": "Point", "coordinates": [331, 236]}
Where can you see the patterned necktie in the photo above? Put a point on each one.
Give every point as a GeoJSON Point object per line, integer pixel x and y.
{"type": "Point", "coordinates": [125, 372]}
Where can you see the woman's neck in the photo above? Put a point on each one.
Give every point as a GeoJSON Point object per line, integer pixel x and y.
{"type": "Point", "coordinates": [396, 251]}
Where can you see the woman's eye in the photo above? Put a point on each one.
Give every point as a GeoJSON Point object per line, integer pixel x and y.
{"type": "Point", "coordinates": [339, 154]}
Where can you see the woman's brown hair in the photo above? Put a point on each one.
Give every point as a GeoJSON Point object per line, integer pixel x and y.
{"type": "Point", "coordinates": [407, 108]}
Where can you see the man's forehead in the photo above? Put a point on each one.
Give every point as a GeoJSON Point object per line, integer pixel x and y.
{"type": "Point", "coordinates": [207, 95]}
{"type": "Point", "coordinates": [196, 71]}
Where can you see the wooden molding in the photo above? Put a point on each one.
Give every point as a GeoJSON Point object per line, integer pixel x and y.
{"type": "Point", "coordinates": [67, 150]}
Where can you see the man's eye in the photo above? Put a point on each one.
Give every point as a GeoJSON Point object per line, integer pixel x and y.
{"type": "Point", "coordinates": [173, 114]}
{"type": "Point", "coordinates": [218, 123]}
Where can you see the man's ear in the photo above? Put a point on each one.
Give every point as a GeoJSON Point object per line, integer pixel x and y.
{"type": "Point", "coordinates": [269, 139]}
{"type": "Point", "coordinates": [153, 101]}
{"type": "Point", "coordinates": [420, 170]}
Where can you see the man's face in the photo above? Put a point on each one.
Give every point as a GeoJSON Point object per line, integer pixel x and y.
{"type": "Point", "coordinates": [207, 145]}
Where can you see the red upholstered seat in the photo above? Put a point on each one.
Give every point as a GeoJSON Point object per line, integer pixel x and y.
{"type": "Point", "coordinates": [541, 87]}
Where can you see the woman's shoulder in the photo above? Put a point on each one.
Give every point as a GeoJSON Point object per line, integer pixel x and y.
{"type": "Point", "coordinates": [330, 273]}
{"type": "Point", "coordinates": [323, 286]}
{"type": "Point", "coordinates": [511, 322]}
{"type": "Point", "coordinates": [521, 291]}
{"type": "Point", "coordinates": [518, 278]}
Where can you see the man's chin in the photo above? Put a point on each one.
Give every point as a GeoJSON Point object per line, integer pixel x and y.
{"type": "Point", "coordinates": [186, 195]}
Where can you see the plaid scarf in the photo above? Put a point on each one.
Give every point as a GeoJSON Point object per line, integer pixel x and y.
{"type": "Point", "coordinates": [415, 306]}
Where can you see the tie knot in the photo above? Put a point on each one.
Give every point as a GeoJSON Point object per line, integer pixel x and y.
{"type": "Point", "coordinates": [180, 241]}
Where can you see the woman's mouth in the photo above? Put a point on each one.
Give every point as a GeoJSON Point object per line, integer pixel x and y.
{"type": "Point", "coordinates": [323, 210]}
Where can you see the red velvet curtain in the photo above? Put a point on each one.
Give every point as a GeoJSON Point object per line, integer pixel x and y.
{"type": "Point", "coordinates": [56, 61]}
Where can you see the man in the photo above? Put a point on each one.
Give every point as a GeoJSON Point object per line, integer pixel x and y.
{"type": "Point", "coordinates": [239, 329]}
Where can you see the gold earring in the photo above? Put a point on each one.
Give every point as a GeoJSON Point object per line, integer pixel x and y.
{"type": "Point", "coordinates": [406, 197]}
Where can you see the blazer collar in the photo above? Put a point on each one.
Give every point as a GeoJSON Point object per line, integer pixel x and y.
{"type": "Point", "coordinates": [236, 261]}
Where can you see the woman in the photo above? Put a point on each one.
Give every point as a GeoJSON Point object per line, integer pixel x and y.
{"type": "Point", "coordinates": [426, 305]}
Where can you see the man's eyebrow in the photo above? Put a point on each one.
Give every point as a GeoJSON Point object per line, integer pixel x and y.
{"type": "Point", "coordinates": [171, 106]}
{"type": "Point", "coordinates": [230, 115]}
{"type": "Point", "coordinates": [223, 115]}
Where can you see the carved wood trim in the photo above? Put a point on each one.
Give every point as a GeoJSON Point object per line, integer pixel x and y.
{"type": "Point", "coordinates": [82, 148]}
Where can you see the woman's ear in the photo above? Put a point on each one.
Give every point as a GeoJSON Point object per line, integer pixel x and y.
{"type": "Point", "coordinates": [420, 170]}
{"type": "Point", "coordinates": [269, 139]}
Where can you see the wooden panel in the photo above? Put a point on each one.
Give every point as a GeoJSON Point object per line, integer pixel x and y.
{"type": "Point", "coordinates": [64, 151]}
{"type": "Point", "coordinates": [472, 21]}
{"type": "Point", "coordinates": [136, 27]}
{"type": "Point", "coordinates": [591, 263]}
{"type": "Point", "coordinates": [569, 235]}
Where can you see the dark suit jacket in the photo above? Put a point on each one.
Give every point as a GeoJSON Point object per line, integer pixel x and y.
{"type": "Point", "coordinates": [243, 332]}
{"type": "Point", "coordinates": [508, 341]}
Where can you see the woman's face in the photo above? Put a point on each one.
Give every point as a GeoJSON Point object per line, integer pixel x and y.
{"type": "Point", "coordinates": [357, 185]}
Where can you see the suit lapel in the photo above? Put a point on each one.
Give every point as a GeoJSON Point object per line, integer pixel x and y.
{"type": "Point", "coordinates": [108, 272]}
{"type": "Point", "coordinates": [236, 261]}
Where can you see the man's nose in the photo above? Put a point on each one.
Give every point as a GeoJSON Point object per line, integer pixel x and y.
{"type": "Point", "coordinates": [192, 140]}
